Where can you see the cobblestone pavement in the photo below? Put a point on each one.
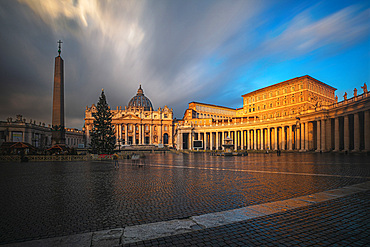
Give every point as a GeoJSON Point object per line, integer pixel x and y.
{"type": "Point", "coordinates": [44, 200]}
{"type": "Point", "coordinates": [339, 222]}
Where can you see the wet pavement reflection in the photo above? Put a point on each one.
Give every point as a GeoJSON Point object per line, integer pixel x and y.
{"type": "Point", "coordinates": [49, 199]}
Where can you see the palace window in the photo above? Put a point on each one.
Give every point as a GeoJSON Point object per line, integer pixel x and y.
{"type": "Point", "coordinates": [270, 94]}
{"type": "Point", "coordinates": [165, 127]}
{"type": "Point", "coordinates": [284, 91]}
{"type": "Point", "coordinates": [270, 105]}
{"type": "Point", "coordinates": [264, 106]}
{"type": "Point", "coordinates": [277, 92]}
{"type": "Point", "coordinates": [301, 86]}
{"type": "Point", "coordinates": [264, 96]}
{"type": "Point", "coordinates": [292, 88]}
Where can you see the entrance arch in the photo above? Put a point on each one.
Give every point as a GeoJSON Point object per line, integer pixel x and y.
{"type": "Point", "coordinates": [165, 138]}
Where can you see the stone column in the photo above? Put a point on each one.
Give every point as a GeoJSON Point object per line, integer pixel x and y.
{"type": "Point", "coordinates": [151, 136]}
{"type": "Point", "coordinates": [268, 139]}
{"type": "Point", "coordinates": [328, 135]}
{"type": "Point", "coordinates": [318, 134]}
{"type": "Point", "coordinates": [307, 138]}
{"type": "Point", "coordinates": [262, 145]}
{"type": "Point", "coordinates": [323, 135]}
{"type": "Point", "coordinates": [205, 140]}
{"type": "Point", "coordinates": [297, 138]}
{"type": "Point", "coordinates": [367, 130]}
{"type": "Point", "coordinates": [283, 137]}
{"type": "Point", "coordinates": [235, 140]}
{"type": "Point", "coordinates": [290, 139]}
{"type": "Point", "coordinates": [126, 134]}
{"type": "Point", "coordinates": [356, 132]}
{"type": "Point", "coordinates": [217, 140]}
{"type": "Point", "coordinates": [336, 135]}
{"type": "Point", "coordinates": [120, 133]}
{"type": "Point", "coordinates": [346, 133]}
{"type": "Point", "coordinates": [190, 140]}
{"type": "Point", "coordinates": [275, 138]}
{"type": "Point", "coordinates": [134, 135]}
{"type": "Point", "coordinates": [242, 139]}
{"type": "Point", "coordinates": [248, 140]}
{"type": "Point", "coordinates": [254, 139]}
{"type": "Point", "coordinates": [302, 136]}
{"type": "Point", "coordinates": [140, 140]}
{"type": "Point", "coordinates": [179, 140]}
{"type": "Point", "coordinates": [211, 140]}
{"type": "Point", "coordinates": [160, 135]}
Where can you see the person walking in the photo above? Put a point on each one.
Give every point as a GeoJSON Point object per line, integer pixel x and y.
{"type": "Point", "coordinates": [115, 158]}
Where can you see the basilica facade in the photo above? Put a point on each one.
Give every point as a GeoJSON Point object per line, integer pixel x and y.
{"type": "Point", "coordinates": [138, 124]}
{"type": "Point", "coordinates": [300, 114]}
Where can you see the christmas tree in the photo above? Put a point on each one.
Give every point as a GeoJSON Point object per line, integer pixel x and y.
{"type": "Point", "coordinates": [102, 136]}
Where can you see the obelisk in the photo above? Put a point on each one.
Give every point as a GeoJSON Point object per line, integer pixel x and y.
{"type": "Point", "coordinates": [58, 131]}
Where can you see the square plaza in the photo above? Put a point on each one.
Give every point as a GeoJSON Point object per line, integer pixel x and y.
{"type": "Point", "coordinates": [188, 199]}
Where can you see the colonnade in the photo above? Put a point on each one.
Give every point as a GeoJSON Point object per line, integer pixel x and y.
{"type": "Point", "coordinates": [319, 133]}
{"type": "Point", "coordinates": [140, 133]}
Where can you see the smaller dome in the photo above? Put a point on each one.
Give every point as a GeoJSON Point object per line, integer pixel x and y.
{"type": "Point", "coordinates": [140, 100]}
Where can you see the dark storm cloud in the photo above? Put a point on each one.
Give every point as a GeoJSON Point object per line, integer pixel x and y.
{"type": "Point", "coordinates": [179, 51]}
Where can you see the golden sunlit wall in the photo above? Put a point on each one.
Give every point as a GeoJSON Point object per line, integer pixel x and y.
{"type": "Point", "coordinates": [288, 98]}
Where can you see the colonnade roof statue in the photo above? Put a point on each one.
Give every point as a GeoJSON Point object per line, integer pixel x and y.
{"type": "Point", "coordinates": [140, 100]}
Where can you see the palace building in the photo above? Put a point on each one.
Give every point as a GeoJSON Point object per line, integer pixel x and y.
{"type": "Point", "coordinates": [35, 133]}
{"type": "Point", "coordinates": [298, 114]}
{"type": "Point", "coordinates": [138, 124]}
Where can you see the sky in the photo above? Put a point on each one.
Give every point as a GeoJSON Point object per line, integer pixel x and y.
{"type": "Point", "coordinates": [179, 51]}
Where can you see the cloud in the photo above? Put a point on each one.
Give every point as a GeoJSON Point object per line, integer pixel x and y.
{"type": "Point", "coordinates": [179, 51]}
{"type": "Point", "coordinates": [304, 35]}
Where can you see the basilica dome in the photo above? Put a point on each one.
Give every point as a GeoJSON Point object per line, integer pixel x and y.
{"type": "Point", "coordinates": [140, 100]}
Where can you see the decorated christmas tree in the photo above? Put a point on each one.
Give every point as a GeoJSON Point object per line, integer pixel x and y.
{"type": "Point", "coordinates": [102, 137]}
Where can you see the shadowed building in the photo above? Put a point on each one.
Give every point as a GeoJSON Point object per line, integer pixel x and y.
{"type": "Point", "coordinates": [58, 131]}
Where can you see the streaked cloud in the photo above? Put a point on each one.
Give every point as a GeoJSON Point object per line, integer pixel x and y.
{"type": "Point", "coordinates": [180, 51]}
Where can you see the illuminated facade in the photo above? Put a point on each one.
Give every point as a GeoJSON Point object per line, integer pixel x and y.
{"type": "Point", "coordinates": [138, 124]}
{"type": "Point", "coordinates": [299, 114]}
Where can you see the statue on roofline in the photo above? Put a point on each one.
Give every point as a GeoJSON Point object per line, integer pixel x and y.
{"type": "Point", "coordinates": [364, 87]}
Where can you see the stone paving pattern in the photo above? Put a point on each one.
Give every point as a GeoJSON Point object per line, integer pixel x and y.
{"type": "Point", "coordinates": [45, 200]}
{"type": "Point", "coordinates": [340, 222]}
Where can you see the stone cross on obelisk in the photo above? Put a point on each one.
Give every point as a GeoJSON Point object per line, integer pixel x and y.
{"type": "Point", "coordinates": [58, 130]}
